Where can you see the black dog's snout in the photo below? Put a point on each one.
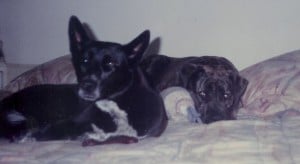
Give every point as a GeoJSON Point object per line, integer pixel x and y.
{"type": "Point", "coordinates": [88, 85]}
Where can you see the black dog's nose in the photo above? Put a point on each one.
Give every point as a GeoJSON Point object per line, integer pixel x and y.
{"type": "Point", "coordinates": [88, 85]}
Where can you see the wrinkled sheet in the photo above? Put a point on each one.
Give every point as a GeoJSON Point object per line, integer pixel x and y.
{"type": "Point", "coordinates": [275, 140]}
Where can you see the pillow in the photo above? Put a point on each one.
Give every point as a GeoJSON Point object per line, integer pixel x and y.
{"type": "Point", "coordinates": [274, 86]}
{"type": "Point", "coordinates": [56, 71]}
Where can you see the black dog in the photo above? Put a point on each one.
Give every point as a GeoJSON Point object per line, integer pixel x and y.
{"type": "Point", "coordinates": [104, 70]}
{"type": "Point", "coordinates": [213, 82]}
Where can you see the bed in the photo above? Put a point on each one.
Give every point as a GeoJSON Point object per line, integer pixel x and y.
{"type": "Point", "coordinates": [266, 131]}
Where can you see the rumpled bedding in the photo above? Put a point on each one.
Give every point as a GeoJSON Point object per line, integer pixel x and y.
{"type": "Point", "coordinates": [56, 71]}
{"type": "Point", "coordinates": [275, 140]}
{"type": "Point", "coordinates": [266, 130]}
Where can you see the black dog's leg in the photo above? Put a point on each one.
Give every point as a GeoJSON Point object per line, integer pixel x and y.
{"type": "Point", "coordinates": [77, 126]}
{"type": "Point", "coordinates": [123, 133]}
{"type": "Point", "coordinates": [12, 124]}
{"type": "Point", "coordinates": [62, 130]}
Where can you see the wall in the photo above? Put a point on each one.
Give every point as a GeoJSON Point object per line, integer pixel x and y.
{"type": "Point", "coordinates": [245, 32]}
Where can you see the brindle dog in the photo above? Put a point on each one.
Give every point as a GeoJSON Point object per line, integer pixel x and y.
{"type": "Point", "coordinates": [213, 82]}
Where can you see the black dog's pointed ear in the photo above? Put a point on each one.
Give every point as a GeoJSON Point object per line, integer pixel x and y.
{"type": "Point", "coordinates": [77, 35]}
{"type": "Point", "coordinates": [136, 48]}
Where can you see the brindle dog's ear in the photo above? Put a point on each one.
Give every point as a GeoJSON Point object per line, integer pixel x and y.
{"type": "Point", "coordinates": [242, 85]}
{"type": "Point", "coordinates": [187, 71]}
{"type": "Point", "coordinates": [239, 87]}
{"type": "Point", "coordinates": [136, 48]}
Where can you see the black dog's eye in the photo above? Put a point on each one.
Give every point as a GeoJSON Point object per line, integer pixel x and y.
{"type": "Point", "coordinates": [108, 63]}
{"type": "Point", "coordinates": [86, 57]}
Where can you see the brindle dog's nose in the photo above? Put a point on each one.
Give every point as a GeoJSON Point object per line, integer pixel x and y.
{"type": "Point", "coordinates": [216, 118]}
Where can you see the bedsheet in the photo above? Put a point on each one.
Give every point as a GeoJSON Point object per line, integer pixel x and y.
{"type": "Point", "coordinates": [247, 140]}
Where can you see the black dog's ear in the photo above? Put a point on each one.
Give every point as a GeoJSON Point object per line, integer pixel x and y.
{"type": "Point", "coordinates": [77, 35]}
{"type": "Point", "coordinates": [136, 48]}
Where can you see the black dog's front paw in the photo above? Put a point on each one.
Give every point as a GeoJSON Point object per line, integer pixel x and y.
{"type": "Point", "coordinates": [49, 133]}
{"type": "Point", "coordinates": [23, 138]}
{"type": "Point", "coordinates": [110, 140]}
{"type": "Point", "coordinates": [40, 136]}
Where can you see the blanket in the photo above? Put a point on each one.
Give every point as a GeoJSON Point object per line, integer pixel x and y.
{"type": "Point", "coordinates": [276, 140]}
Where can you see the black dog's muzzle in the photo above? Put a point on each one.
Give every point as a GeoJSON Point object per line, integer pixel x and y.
{"type": "Point", "coordinates": [88, 86]}
{"type": "Point", "coordinates": [89, 90]}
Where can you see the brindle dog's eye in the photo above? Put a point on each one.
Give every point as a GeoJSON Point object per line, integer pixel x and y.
{"type": "Point", "coordinates": [226, 95]}
{"type": "Point", "coordinates": [202, 94]}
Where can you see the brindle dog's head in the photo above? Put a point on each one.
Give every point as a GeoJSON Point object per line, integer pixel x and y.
{"type": "Point", "coordinates": [216, 87]}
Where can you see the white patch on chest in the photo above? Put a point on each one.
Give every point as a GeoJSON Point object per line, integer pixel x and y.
{"type": "Point", "coordinates": [120, 119]}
